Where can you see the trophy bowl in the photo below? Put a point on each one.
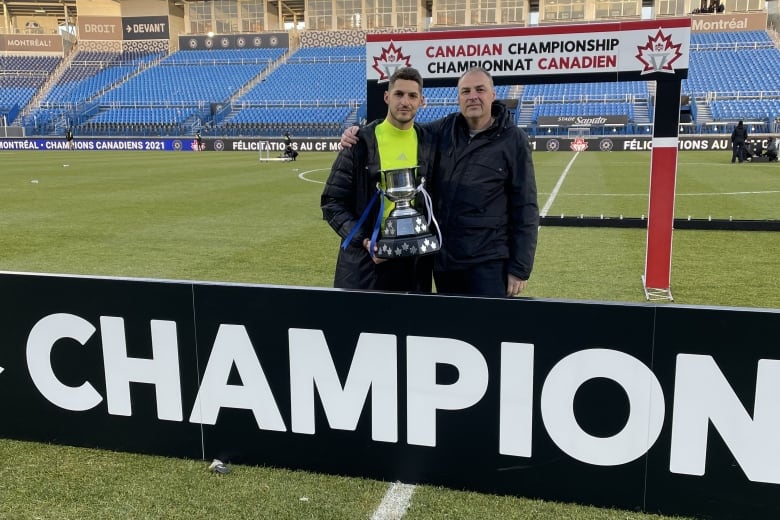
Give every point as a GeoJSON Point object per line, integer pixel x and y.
{"type": "Point", "coordinates": [401, 186]}
{"type": "Point", "coordinates": [405, 231]}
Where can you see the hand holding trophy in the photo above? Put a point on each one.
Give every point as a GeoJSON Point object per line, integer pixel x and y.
{"type": "Point", "coordinates": [406, 231]}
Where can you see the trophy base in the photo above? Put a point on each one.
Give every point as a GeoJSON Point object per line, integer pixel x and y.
{"type": "Point", "coordinates": [407, 246]}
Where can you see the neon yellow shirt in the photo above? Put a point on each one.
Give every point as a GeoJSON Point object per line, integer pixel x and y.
{"type": "Point", "coordinates": [397, 149]}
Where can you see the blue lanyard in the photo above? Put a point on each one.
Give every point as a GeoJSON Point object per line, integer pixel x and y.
{"type": "Point", "coordinates": [363, 218]}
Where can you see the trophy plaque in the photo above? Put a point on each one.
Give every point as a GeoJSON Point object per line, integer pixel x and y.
{"type": "Point", "coordinates": [406, 232]}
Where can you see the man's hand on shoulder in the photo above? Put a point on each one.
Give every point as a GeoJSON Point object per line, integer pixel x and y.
{"type": "Point", "coordinates": [349, 137]}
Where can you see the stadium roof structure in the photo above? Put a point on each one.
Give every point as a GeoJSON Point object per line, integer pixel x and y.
{"type": "Point", "coordinates": [48, 8]}
{"type": "Point", "coordinates": [291, 9]}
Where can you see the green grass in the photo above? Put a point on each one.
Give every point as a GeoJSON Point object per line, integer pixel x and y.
{"type": "Point", "coordinates": [44, 482]}
{"type": "Point", "coordinates": [39, 481]}
{"type": "Point", "coordinates": [617, 183]}
{"type": "Point", "coordinates": [188, 216]}
{"type": "Point", "coordinates": [227, 217]}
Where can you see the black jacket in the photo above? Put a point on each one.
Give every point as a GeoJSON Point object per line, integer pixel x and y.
{"type": "Point", "coordinates": [484, 194]}
{"type": "Point", "coordinates": [739, 135]}
{"type": "Point", "coordinates": [348, 191]}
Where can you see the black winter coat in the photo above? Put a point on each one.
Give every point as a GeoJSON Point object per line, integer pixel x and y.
{"type": "Point", "coordinates": [739, 135]}
{"type": "Point", "coordinates": [348, 191]}
{"type": "Point", "coordinates": [484, 194]}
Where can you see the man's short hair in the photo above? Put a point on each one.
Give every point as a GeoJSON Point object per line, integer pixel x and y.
{"type": "Point", "coordinates": [407, 73]}
{"type": "Point", "coordinates": [478, 69]}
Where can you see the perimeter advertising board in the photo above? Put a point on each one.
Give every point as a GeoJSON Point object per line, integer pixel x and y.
{"type": "Point", "coordinates": [670, 409]}
{"type": "Point", "coordinates": [276, 146]}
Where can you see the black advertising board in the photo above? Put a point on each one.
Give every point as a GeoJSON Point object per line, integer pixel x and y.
{"type": "Point", "coordinates": [60, 385]}
{"type": "Point", "coordinates": [275, 146]}
{"type": "Point", "coordinates": [582, 121]}
{"type": "Point", "coordinates": [660, 408]}
{"type": "Point", "coordinates": [145, 28]}
{"type": "Point", "coordinates": [235, 41]}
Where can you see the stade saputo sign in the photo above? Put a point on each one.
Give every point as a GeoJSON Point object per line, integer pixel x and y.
{"type": "Point", "coordinates": [701, 393]}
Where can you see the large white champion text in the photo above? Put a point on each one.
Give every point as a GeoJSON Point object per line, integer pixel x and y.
{"type": "Point", "coordinates": [702, 395]}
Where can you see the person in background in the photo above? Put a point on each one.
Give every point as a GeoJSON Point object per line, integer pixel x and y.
{"type": "Point", "coordinates": [771, 149]}
{"type": "Point", "coordinates": [738, 139]}
{"type": "Point", "coordinates": [198, 141]}
{"type": "Point", "coordinates": [349, 203]}
{"type": "Point", "coordinates": [289, 153]}
{"type": "Point", "coordinates": [484, 195]}
{"type": "Point", "coordinates": [69, 138]}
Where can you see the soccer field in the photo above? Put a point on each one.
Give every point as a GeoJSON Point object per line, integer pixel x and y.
{"type": "Point", "coordinates": [228, 217]}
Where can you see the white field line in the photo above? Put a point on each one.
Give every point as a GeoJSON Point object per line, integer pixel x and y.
{"type": "Point", "coordinates": [703, 194]}
{"type": "Point", "coordinates": [557, 187]}
{"type": "Point", "coordinates": [302, 175]}
{"type": "Point", "coordinates": [395, 502]}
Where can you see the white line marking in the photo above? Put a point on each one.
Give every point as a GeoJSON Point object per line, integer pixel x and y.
{"type": "Point", "coordinates": [725, 164]}
{"type": "Point", "coordinates": [557, 187]}
{"type": "Point", "coordinates": [703, 194]}
{"type": "Point", "coordinates": [302, 175]}
{"type": "Point", "coordinates": [730, 193]}
{"type": "Point", "coordinates": [395, 502]}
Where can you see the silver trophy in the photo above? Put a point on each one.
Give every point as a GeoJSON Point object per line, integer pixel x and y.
{"type": "Point", "coordinates": [406, 231]}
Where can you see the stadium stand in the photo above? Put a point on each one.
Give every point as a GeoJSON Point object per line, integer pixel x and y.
{"type": "Point", "coordinates": [21, 77]}
{"type": "Point", "coordinates": [316, 91]}
{"type": "Point", "coordinates": [319, 89]}
{"type": "Point", "coordinates": [733, 76]}
{"type": "Point", "coordinates": [627, 98]}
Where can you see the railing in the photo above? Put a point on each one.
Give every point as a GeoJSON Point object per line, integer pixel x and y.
{"type": "Point", "coordinates": [590, 98]}
{"type": "Point", "coordinates": [218, 61]}
{"type": "Point", "coordinates": [222, 113]}
{"type": "Point", "coordinates": [26, 73]}
{"type": "Point", "coordinates": [327, 59]}
{"type": "Point", "coordinates": [737, 95]}
{"type": "Point", "coordinates": [441, 101]}
{"type": "Point", "coordinates": [311, 103]}
{"type": "Point", "coordinates": [732, 46]}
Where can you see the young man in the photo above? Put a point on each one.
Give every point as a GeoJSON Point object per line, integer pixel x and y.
{"type": "Point", "coordinates": [392, 143]}
{"type": "Point", "coordinates": [484, 195]}
{"type": "Point", "coordinates": [69, 138]}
